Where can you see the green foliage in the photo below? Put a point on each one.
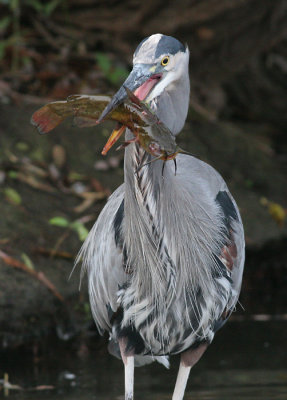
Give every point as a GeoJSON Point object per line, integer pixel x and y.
{"type": "Point", "coordinates": [249, 183]}
{"type": "Point", "coordinates": [85, 309]}
{"type": "Point", "coordinates": [3, 46]}
{"type": "Point", "coordinates": [76, 226]}
{"type": "Point", "coordinates": [14, 5]}
{"type": "Point", "coordinates": [13, 40]}
{"type": "Point", "coordinates": [27, 261]}
{"type": "Point", "coordinates": [75, 176]}
{"type": "Point", "coordinates": [4, 23]}
{"type": "Point", "coordinates": [13, 196]}
{"type": "Point", "coordinates": [42, 7]}
{"type": "Point", "coordinates": [45, 8]}
{"type": "Point", "coordinates": [12, 21]}
{"type": "Point", "coordinates": [12, 174]}
{"type": "Point", "coordinates": [115, 75]}
{"type": "Point", "coordinates": [80, 229]}
{"type": "Point", "coordinates": [22, 146]}
{"type": "Point", "coordinates": [59, 221]}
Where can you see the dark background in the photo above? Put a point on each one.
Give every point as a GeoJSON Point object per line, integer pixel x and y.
{"type": "Point", "coordinates": [53, 187]}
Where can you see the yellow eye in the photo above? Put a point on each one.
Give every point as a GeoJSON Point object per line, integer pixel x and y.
{"type": "Point", "coordinates": [165, 61]}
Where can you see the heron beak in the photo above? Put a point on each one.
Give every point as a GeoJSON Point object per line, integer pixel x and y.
{"type": "Point", "coordinates": [116, 134]}
{"type": "Point", "coordinates": [141, 81]}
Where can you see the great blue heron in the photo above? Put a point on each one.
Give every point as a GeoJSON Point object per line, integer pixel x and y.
{"type": "Point", "coordinates": [165, 257]}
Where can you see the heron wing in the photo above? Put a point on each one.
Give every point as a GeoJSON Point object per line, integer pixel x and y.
{"type": "Point", "coordinates": [233, 251]}
{"type": "Point", "coordinates": [102, 259]}
{"type": "Point", "coordinates": [232, 254]}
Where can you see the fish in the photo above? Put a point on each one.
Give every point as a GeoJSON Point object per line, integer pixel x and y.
{"type": "Point", "coordinates": [149, 132]}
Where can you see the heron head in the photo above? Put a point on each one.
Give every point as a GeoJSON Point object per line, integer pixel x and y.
{"type": "Point", "coordinates": [160, 78]}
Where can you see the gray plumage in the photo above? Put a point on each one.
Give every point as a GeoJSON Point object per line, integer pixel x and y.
{"type": "Point", "coordinates": [165, 257]}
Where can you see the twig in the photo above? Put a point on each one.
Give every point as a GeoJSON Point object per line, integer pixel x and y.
{"type": "Point", "coordinates": [53, 253]}
{"type": "Point", "coordinates": [38, 275]}
{"type": "Point", "coordinates": [59, 242]}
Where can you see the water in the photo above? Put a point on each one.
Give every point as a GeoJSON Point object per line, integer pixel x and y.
{"type": "Point", "coordinates": [248, 360]}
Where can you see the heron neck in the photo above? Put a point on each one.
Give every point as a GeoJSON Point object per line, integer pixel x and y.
{"type": "Point", "coordinates": [143, 223]}
{"type": "Point", "coordinates": [171, 106]}
{"type": "Point", "coordinates": [143, 178]}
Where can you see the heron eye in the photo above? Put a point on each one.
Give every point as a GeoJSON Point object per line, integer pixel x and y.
{"type": "Point", "coordinates": [165, 61]}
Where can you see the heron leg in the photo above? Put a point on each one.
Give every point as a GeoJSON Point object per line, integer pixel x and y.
{"type": "Point", "coordinates": [187, 360]}
{"type": "Point", "coordinates": [129, 378]}
{"type": "Point", "coordinates": [128, 360]}
{"type": "Point", "coordinates": [181, 381]}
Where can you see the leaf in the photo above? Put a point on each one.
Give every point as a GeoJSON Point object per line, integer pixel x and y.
{"type": "Point", "coordinates": [104, 63]}
{"type": "Point", "coordinates": [36, 5]}
{"type": "Point", "coordinates": [22, 146]}
{"type": "Point", "coordinates": [75, 176]}
{"type": "Point", "coordinates": [115, 75]}
{"type": "Point", "coordinates": [82, 233]}
{"type": "Point", "coordinates": [4, 23]}
{"type": "Point", "coordinates": [81, 230]}
{"type": "Point", "coordinates": [87, 308]}
{"type": "Point", "coordinates": [34, 182]}
{"type": "Point", "coordinates": [27, 261]}
{"type": "Point", "coordinates": [13, 174]}
{"type": "Point", "coordinates": [277, 212]}
{"type": "Point", "coordinates": [13, 196]}
{"type": "Point", "coordinates": [59, 155]}
{"type": "Point", "coordinates": [50, 7]}
{"type": "Point", "coordinates": [14, 5]}
{"type": "Point", "coordinates": [59, 221]}
{"type": "Point", "coordinates": [3, 45]}
{"type": "Point", "coordinates": [118, 75]}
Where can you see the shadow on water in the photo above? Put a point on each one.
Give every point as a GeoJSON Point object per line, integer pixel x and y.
{"type": "Point", "coordinates": [248, 360]}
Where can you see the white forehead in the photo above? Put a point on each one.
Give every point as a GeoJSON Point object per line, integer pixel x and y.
{"type": "Point", "coordinates": [145, 53]}
{"type": "Point", "coordinates": [151, 49]}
